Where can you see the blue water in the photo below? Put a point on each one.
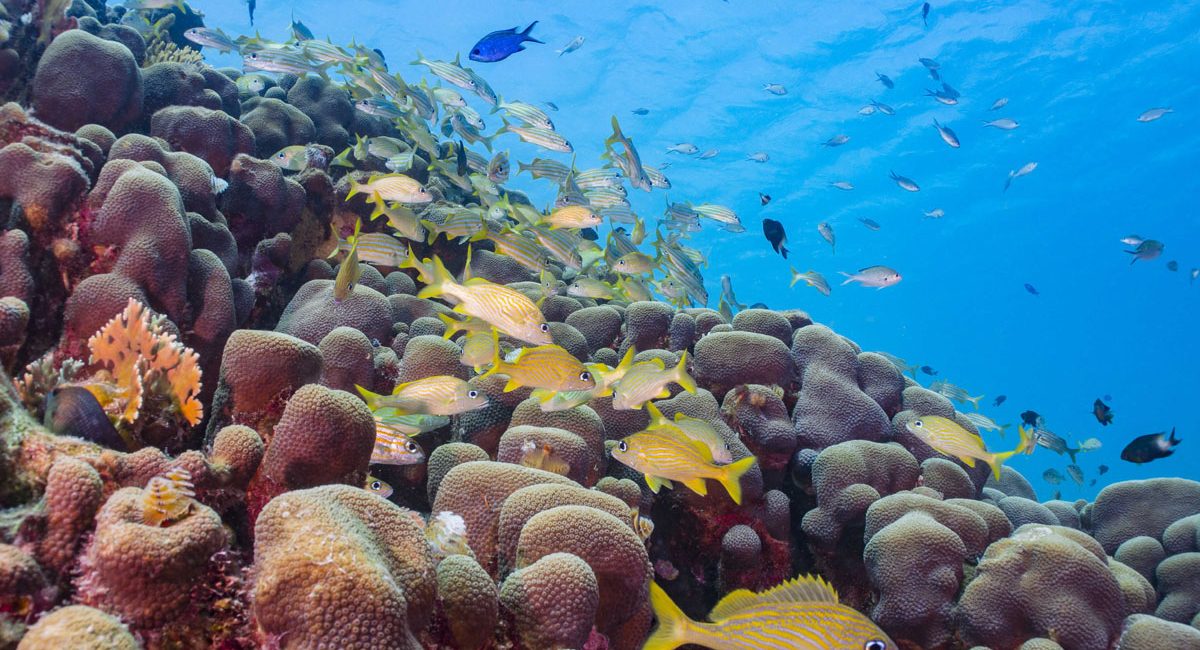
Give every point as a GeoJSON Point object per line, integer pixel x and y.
{"type": "Point", "coordinates": [1077, 75]}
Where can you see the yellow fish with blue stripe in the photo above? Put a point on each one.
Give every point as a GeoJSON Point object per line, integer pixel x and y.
{"type": "Point", "coordinates": [800, 614]}
{"type": "Point", "coordinates": [949, 437]}
{"type": "Point", "coordinates": [549, 367]}
{"type": "Point", "coordinates": [648, 380]}
{"type": "Point", "coordinates": [507, 310]}
{"type": "Point", "coordinates": [666, 455]}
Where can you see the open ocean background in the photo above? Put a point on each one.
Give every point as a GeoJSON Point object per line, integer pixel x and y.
{"type": "Point", "coordinates": [1077, 75]}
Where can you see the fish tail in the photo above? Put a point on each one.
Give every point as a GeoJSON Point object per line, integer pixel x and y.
{"type": "Point", "coordinates": [975, 401]}
{"type": "Point", "coordinates": [656, 416]}
{"type": "Point", "coordinates": [732, 477]}
{"type": "Point", "coordinates": [616, 134]}
{"type": "Point", "coordinates": [372, 399]}
{"type": "Point", "coordinates": [453, 325]}
{"type": "Point", "coordinates": [356, 187]}
{"type": "Point", "coordinates": [528, 37]}
{"type": "Point", "coordinates": [497, 362]}
{"type": "Point", "coordinates": [437, 284]}
{"type": "Point", "coordinates": [681, 374]}
{"type": "Point", "coordinates": [1024, 445]}
{"type": "Point", "coordinates": [849, 279]}
{"type": "Point", "coordinates": [673, 625]}
{"type": "Point", "coordinates": [1072, 452]}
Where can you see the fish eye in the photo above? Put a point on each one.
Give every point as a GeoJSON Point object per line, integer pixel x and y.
{"type": "Point", "coordinates": [918, 423]}
{"type": "Point", "coordinates": [472, 394]}
{"type": "Point", "coordinates": [727, 447]}
{"type": "Point", "coordinates": [545, 327]}
{"type": "Point", "coordinates": [375, 485]}
{"type": "Point", "coordinates": [412, 447]}
{"type": "Point", "coordinates": [875, 644]}
{"type": "Point", "coordinates": [621, 446]}
{"type": "Point", "coordinates": [585, 376]}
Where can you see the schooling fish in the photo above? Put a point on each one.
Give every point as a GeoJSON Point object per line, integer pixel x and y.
{"type": "Point", "coordinates": [773, 230]}
{"type": "Point", "coordinates": [1076, 474]}
{"type": "Point", "coordinates": [664, 455]}
{"type": "Point", "coordinates": [507, 310]}
{"type": "Point", "coordinates": [984, 423]}
{"type": "Point", "coordinates": [391, 187]}
{"type": "Point", "coordinates": [925, 14]}
{"type": "Point", "coordinates": [802, 613]}
{"type": "Point", "coordinates": [874, 276]}
{"type": "Point", "coordinates": [883, 108]}
{"type": "Point", "coordinates": [949, 437]}
{"type": "Point", "coordinates": [547, 366]}
{"type": "Point", "coordinates": [1153, 114]}
{"type": "Point", "coordinates": [775, 89]}
{"type": "Point", "coordinates": [905, 183]}
{"type": "Point", "coordinates": [1004, 124]}
{"type": "Point", "coordinates": [437, 395]}
{"type": "Point", "coordinates": [575, 44]}
{"type": "Point", "coordinates": [999, 104]}
{"type": "Point", "coordinates": [885, 80]}
{"type": "Point", "coordinates": [1039, 437]}
{"type": "Point", "coordinates": [842, 185]}
{"type": "Point", "coordinates": [349, 272]}
{"type": "Point", "coordinates": [836, 141]}
{"type": "Point", "coordinates": [826, 232]}
{"type": "Point", "coordinates": [871, 224]}
{"type": "Point", "coordinates": [929, 371]}
{"type": "Point", "coordinates": [693, 428]}
{"type": "Point", "coordinates": [812, 279]}
{"type": "Point", "coordinates": [214, 38]}
{"type": "Point", "coordinates": [1151, 446]}
{"type": "Point", "coordinates": [947, 134]}
{"type": "Point", "coordinates": [393, 447]}
{"type": "Point", "coordinates": [648, 380]}
{"type": "Point", "coordinates": [1052, 476]}
{"type": "Point", "coordinates": [1146, 250]}
{"type": "Point", "coordinates": [499, 45]}
{"type": "Point", "coordinates": [1032, 419]}
{"type": "Point", "coordinates": [640, 111]}
{"type": "Point", "coordinates": [1103, 412]}
{"type": "Point", "coordinates": [956, 393]}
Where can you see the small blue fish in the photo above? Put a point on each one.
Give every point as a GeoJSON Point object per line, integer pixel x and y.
{"type": "Point", "coordinates": [498, 46]}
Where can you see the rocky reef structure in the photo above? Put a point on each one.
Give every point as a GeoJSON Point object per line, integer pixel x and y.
{"type": "Point", "coordinates": [183, 446]}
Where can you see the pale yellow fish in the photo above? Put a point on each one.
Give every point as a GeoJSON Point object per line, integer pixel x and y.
{"type": "Point", "coordinates": [437, 395]}
{"type": "Point", "coordinates": [664, 456]}
{"type": "Point", "coordinates": [507, 310]}
{"type": "Point", "coordinates": [411, 424]}
{"type": "Point", "coordinates": [543, 457]}
{"type": "Point", "coordinates": [949, 437]}
{"type": "Point", "coordinates": [547, 366]}
{"type": "Point", "coordinates": [563, 245]}
{"type": "Point", "coordinates": [633, 289]}
{"type": "Point", "coordinates": [800, 614]}
{"type": "Point", "coordinates": [378, 486]}
{"type": "Point", "coordinates": [635, 263]}
{"type": "Point", "coordinates": [550, 401]}
{"type": "Point", "coordinates": [424, 268]}
{"type": "Point", "coordinates": [391, 187]}
{"type": "Point", "coordinates": [378, 249]}
{"type": "Point", "coordinates": [478, 349]}
{"type": "Point", "coordinates": [573, 216]}
{"type": "Point", "coordinates": [524, 250]}
{"type": "Point", "coordinates": [586, 287]}
{"type": "Point", "coordinates": [393, 446]}
{"type": "Point", "coordinates": [406, 222]}
{"type": "Point", "coordinates": [468, 324]}
{"type": "Point", "coordinates": [648, 380]}
{"type": "Point", "coordinates": [349, 272]}
{"type": "Point", "coordinates": [606, 377]}
{"type": "Point", "coordinates": [693, 428]}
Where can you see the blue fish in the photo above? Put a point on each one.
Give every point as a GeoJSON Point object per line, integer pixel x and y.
{"type": "Point", "coordinates": [498, 46]}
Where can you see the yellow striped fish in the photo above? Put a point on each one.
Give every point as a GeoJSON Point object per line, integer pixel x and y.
{"type": "Point", "coordinates": [468, 324]}
{"type": "Point", "coordinates": [478, 348]}
{"type": "Point", "coordinates": [547, 366]}
{"type": "Point", "coordinates": [393, 447]}
{"type": "Point", "coordinates": [507, 310]}
{"type": "Point", "coordinates": [693, 428]}
{"type": "Point", "coordinates": [378, 249]}
{"type": "Point", "coordinates": [633, 289]}
{"type": "Point", "coordinates": [800, 614]}
{"type": "Point", "coordinates": [565, 400]}
{"type": "Point", "coordinates": [641, 525]}
{"type": "Point", "coordinates": [948, 437]}
{"type": "Point", "coordinates": [349, 272]}
{"type": "Point", "coordinates": [411, 424]}
{"type": "Point", "coordinates": [437, 395]}
{"type": "Point", "coordinates": [391, 187]}
{"type": "Point", "coordinates": [378, 486]}
{"type": "Point", "coordinates": [406, 222]}
{"type": "Point", "coordinates": [648, 380]}
{"type": "Point", "coordinates": [665, 456]}
{"type": "Point", "coordinates": [464, 224]}
{"type": "Point", "coordinates": [527, 252]}
{"type": "Point", "coordinates": [606, 377]}
{"type": "Point", "coordinates": [424, 268]}
{"type": "Point", "coordinates": [562, 245]}
{"type": "Point", "coordinates": [573, 216]}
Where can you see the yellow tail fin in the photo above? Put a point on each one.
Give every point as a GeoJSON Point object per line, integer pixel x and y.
{"type": "Point", "coordinates": [681, 374]}
{"type": "Point", "coordinates": [497, 361]}
{"type": "Point", "coordinates": [672, 629]}
{"type": "Point", "coordinates": [998, 459]}
{"type": "Point", "coordinates": [441, 277]}
{"type": "Point", "coordinates": [372, 399]}
{"type": "Point", "coordinates": [732, 480]}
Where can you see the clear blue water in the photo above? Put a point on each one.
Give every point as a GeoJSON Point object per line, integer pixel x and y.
{"type": "Point", "coordinates": [1077, 75]}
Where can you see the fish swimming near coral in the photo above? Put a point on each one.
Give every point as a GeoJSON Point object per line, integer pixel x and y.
{"type": "Point", "coordinates": [800, 614]}
{"type": "Point", "coordinates": [648, 380]}
{"type": "Point", "coordinates": [664, 456]}
{"type": "Point", "coordinates": [1150, 447]}
{"type": "Point", "coordinates": [507, 310]}
{"type": "Point", "coordinates": [812, 279]}
{"type": "Point", "coordinates": [693, 428]}
{"type": "Point", "coordinates": [349, 272]}
{"type": "Point", "coordinates": [773, 231]}
{"type": "Point", "coordinates": [500, 45]}
{"type": "Point", "coordinates": [874, 276]}
{"type": "Point", "coordinates": [437, 395]}
{"type": "Point", "coordinates": [75, 411]}
{"type": "Point", "coordinates": [546, 366]}
{"type": "Point", "coordinates": [641, 525]}
{"type": "Point", "coordinates": [393, 447]}
{"type": "Point", "coordinates": [949, 437]}
{"type": "Point", "coordinates": [378, 486]}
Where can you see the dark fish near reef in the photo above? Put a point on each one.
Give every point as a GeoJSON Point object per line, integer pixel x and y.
{"type": "Point", "coordinates": [773, 230]}
{"type": "Point", "coordinates": [928, 370]}
{"type": "Point", "coordinates": [801, 613]}
{"type": "Point", "coordinates": [1146, 250]}
{"type": "Point", "coordinates": [1151, 446]}
{"type": "Point", "coordinates": [1102, 470]}
{"type": "Point", "coordinates": [999, 400]}
{"type": "Point", "coordinates": [1076, 474]}
{"type": "Point", "coordinates": [1032, 289]}
{"type": "Point", "coordinates": [1032, 419]}
{"type": "Point", "coordinates": [74, 411]}
{"type": "Point", "coordinates": [1172, 265]}
{"type": "Point", "coordinates": [300, 31]}
{"type": "Point", "coordinates": [764, 198]}
{"type": "Point", "coordinates": [498, 46]}
{"type": "Point", "coordinates": [1103, 412]}
{"type": "Point", "coordinates": [251, 4]}
{"type": "Point", "coordinates": [925, 14]}
{"type": "Point", "coordinates": [1052, 476]}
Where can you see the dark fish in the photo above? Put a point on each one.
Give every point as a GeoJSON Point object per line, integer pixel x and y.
{"type": "Point", "coordinates": [641, 111]}
{"type": "Point", "coordinates": [1076, 474]}
{"type": "Point", "coordinates": [1151, 446]}
{"type": "Point", "coordinates": [74, 411]}
{"type": "Point", "coordinates": [1032, 419]}
{"type": "Point", "coordinates": [999, 400]}
{"type": "Point", "coordinates": [1054, 443]}
{"type": "Point", "coordinates": [1172, 265]}
{"type": "Point", "coordinates": [498, 46]}
{"type": "Point", "coordinates": [1102, 470]}
{"type": "Point", "coordinates": [1031, 289]}
{"type": "Point", "coordinates": [550, 105]}
{"type": "Point", "coordinates": [925, 14]}
{"type": "Point", "coordinates": [299, 31]}
{"type": "Point", "coordinates": [1103, 412]}
{"type": "Point", "coordinates": [928, 370]}
{"type": "Point", "coordinates": [1052, 476]}
{"type": "Point", "coordinates": [1058, 495]}
{"type": "Point", "coordinates": [1092, 483]}
{"type": "Point", "coordinates": [461, 160]}
{"type": "Point", "coordinates": [589, 234]}
{"type": "Point", "coordinates": [251, 4]}
{"type": "Point", "coordinates": [764, 198]}
{"type": "Point", "coordinates": [885, 80]}
{"type": "Point", "coordinates": [949, 91]}
{"type": "Point", "coordinates": [1107, 397]}
{"type": "Point", "coordinates": [759, 305]}
{"type": "Point", "coordinates": [1146, 250]}
{"type": "Point", "coordinates": [382, 58]}
{"type": "Point", "coordinates": [870, 223]}
{"type": "Point", "coordinates": [775, 234]}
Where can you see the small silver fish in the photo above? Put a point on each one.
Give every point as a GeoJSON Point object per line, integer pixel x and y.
{"type": "Point", "coordinates": [947, 134]}
{"type": "Point", "coordinates": [936, 213]}
{"type": "Point", "coordinates": [874, 276]}
{"type": "Point", "coordinates": [999, 104]}
{"type": "Point", "coordinates": [1004, 124]}
{"type": "Point", "coordinates": [826, 231]}
{"type": "Point", "coordinates": [758, 157]}
{"type": "Point", "coordinates": [1154, 114]}
{"type": "Point", "coordinates": [685, 148]}
{"type": "Point", "coordinates": [836, 141]}
{"type": "Point", "coordinates": [904, 182]}
{"type": "Point", "coordinates": [775, 89]}
{"type": "Point", "coordinates": [842, 185]}
{"type": "Point", "coordinates": [575, 44]}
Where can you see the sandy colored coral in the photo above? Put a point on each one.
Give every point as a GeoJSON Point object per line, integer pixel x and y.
{"type": "Point", "coordinates": [469, 599]}
{"type": "Point", "coordinates": [553, 601]}
{"type": "Point", "coordinates": [78, 626]}
{"type": "Point", "coordinates": [523, 504]}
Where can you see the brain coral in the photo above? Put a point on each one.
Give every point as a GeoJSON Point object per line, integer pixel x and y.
{"type": "Point", "coordinates": [1142, 632]}
{"type": "Point", "coordinates": [1130, 508]}
{"type": "Point", "coordinates": [831, 407]}
{"type": "Point", "coordinates": [553, 601]}
{"type": "Point", "coordinates": [519, 508]}
{"type": "Point", "coordinates": [340, 567]}
{"type": "Point", "coordinates": [73, 495]}
{"type": "Point", "coordinates": [849, 477]}
{"type": "Point", "coordinates": [83, 79]}
{"type": "Point", "coordinates": [259, 372]}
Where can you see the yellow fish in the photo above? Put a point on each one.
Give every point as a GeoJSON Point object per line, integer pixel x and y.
{"type": "Point", "coordinates": [437, 395]}
{"type": "Point", "coordinates": [505, 309]}
{"type": "Point", "coordinates": [543, 457]}
{"type": "Point", "coordinates": [648, 380]}
{"type": "Point", "coordinates": [693, 428]}
{"type": "Point", "coordinates": [424, 268]}
{"type": "Point", "coordinates": [573, 216]}
{"type": "Point", "coordinates": [800, 614]}
{"type": "Point", "coordinates": [948, 437]}
{"type": "Point", "coordinates": [478, 348]}
{"type": "Point", "coordinates": [377, 249]}
{"type": "Point", "coordinates": [406, 222]}
{"type": "Point", "coordinates": [550, 400]}
{"type": "Point", "coordinates": [635, 263]}
{"type": "Point", "coordinates": [349, 273]}
{"type": "Point", "coordinates": [547, 366]}
{"type": "Point", "coordinates": [378, 486]}
{"type": "Point", "coordinates": [665, 456]}
{"type": "Point", "coordinates": [391, 187]}
{"type": "Point", "coordinates": [393, 447]}
{"type": "Point", "coordinates": [468, 325]}
{"type": "Point", "coordinates": [606, 377]}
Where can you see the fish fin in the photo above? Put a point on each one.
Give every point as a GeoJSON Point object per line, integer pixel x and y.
{"type": "Point", "coordinates": [681, 374]}
{"type": "Point", "coordinates": [656, 416]}
{"type": "Point", "coordinates": [370, 398]}
{"type": "Point", "coordinates": [656, 483]}
{"type": "Point", "coordinates": [801, 589]}
{"type": "Point", "coordinates": [975, 401]}
{"type": "Point", "coordinates": [967, 460]}
{"type": "Point", "coordinates": [356, 187]}
{"type": "Point", "coordinates": [530, 38]}
{"type": "Point", "coordinates": [1071, 453]}
{"type": "Point", "coordinates": [436, 285]}
{"type": "Point", "coordinates": [732, 478]}
{"type": "Point", "coordinates": [673, 625]}
{"type": "Point", "coordinates": [849, 278]}
{"type": "Point", "coordinates": [697, 485]}
{"type": "Point", "coordinates": [512, 385]}
{"type": "Point", "coordinates": [453, 325]}
{"type": "Point", "coordinates": [497, 361]}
